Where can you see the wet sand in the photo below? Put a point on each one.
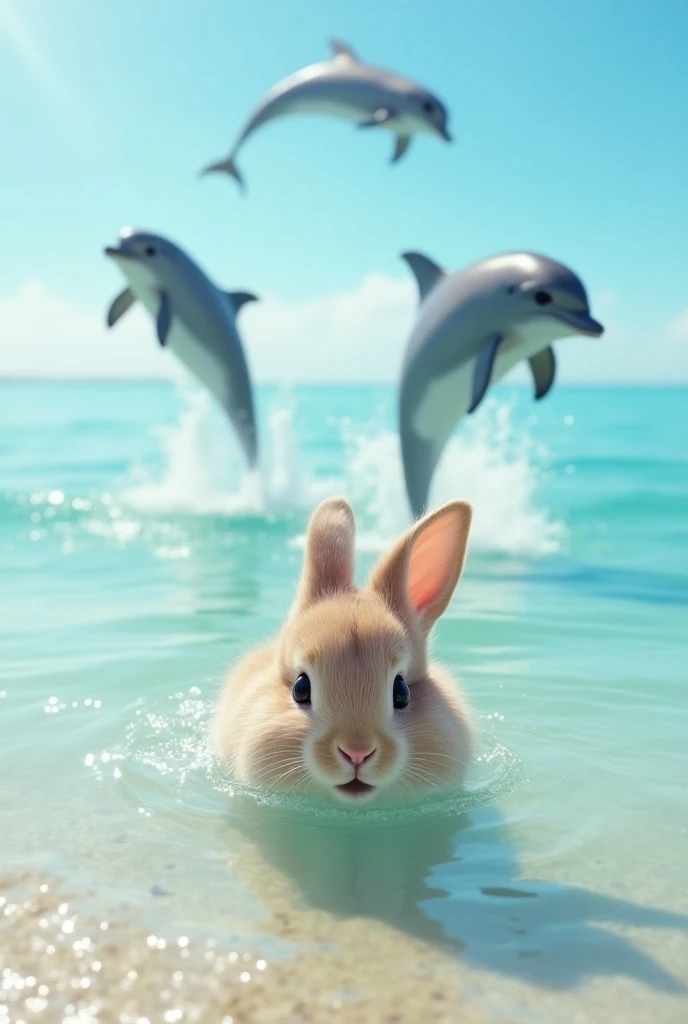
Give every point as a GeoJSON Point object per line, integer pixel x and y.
{"type": "Point", "coordinates": [60, 964]}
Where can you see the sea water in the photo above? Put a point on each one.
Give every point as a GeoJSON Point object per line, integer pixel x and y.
{"type": "Point", "coordinates": [138, 560]}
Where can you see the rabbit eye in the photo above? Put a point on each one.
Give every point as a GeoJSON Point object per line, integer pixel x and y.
{"type": "Point", "coordinates": [401, 694]}
{"type": "Point", "coordinates": [542, 298]}
{"type": "Point", "coordinates": [301, 690]}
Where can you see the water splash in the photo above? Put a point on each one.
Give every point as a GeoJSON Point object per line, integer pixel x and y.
{"type": "Point", "coordinates": [204, 472]}
{"type": "Point", "coordinates": [491, 462]}
{"type": "Point", "coordinates": [166, 766]}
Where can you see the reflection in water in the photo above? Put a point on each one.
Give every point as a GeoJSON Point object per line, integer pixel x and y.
{"type": "Point", "coordinates": [349, 871]}
{"type": "Point", "coordinates": [440, 882]}
{"type": "Point", "coordinates": [453, 882]}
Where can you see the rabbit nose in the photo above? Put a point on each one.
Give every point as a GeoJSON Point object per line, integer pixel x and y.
{"type": "Point", "coordinates": [357, 755]}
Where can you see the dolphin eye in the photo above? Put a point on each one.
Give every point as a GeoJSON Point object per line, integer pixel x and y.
{"type": "Point", "coordinates": [542, 298]}
{"type": "Point", "coordinates": [301, 690]}
{"type": "Point", "coordinates": [150, 250]}
{"type": "Point", "coordinates": [428, 107]}
{"type": "Point", "coordinates": [401, 694]}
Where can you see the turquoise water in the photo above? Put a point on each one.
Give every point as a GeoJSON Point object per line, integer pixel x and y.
{"type": "Point", "coordinates": [138, 562]}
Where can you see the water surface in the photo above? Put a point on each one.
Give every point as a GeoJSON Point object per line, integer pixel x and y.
{"type": "Point", "coordinates": [138, 561]}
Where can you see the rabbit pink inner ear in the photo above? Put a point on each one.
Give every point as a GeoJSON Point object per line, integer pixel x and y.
{"type": "Point", "coordinates": [436, 560]}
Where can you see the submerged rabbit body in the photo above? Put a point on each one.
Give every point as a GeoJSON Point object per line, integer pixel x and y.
{"type": "Point", "coordinates": [344, 702]}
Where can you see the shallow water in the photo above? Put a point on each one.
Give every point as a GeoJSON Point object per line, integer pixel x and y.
{"type": "Point", "coordinates": [138, 561]}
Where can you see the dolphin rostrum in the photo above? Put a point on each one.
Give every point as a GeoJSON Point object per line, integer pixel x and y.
{"type": "Point", "coordinates": [193, 318]}
{"type": "Point", "coordinates": [346, 87]}
{"type": "Point", "coordinates": [472, 327]}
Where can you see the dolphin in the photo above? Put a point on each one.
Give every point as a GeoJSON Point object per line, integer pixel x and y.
{"type": "Point", "coordinates": [472, 327]}
{"type": "Point", "coordinates": [193, 318]}
{"type": "Point", "coordinates": [345, 87]}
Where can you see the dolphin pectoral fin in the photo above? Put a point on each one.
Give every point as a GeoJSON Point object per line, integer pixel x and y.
{"type": "Point", "coordinates": [239, 299]}
{"type": "Point", "coordinates": [381, 116]}
{"type": "Point", "coordinates": [426, 272]}
{"type": "Point", "coordinates": [119, 306]}
{"type": "Point", "coordinates": [482, 373]}
{"type": "Point", "coordinates": [543, 366]}
{"type": "Point", "coordinates": [400, 147]}
{"type": "Point", "coordinates": [163, 320]}
{"type": "Point", "coordinates": [341, 49]}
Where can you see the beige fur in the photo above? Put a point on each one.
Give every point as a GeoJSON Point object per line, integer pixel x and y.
{"type": "Point", "coordinates": [352, 643]}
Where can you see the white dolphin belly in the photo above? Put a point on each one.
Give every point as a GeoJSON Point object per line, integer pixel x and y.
{"type": "Point", "coordinates": [201, 360]}
{"type": "Point", "coordinates": [332, 105]}
{"type": "Point", "coordinates": [447, 398]}
{"type": "Point", "coordinates": [349, 110]}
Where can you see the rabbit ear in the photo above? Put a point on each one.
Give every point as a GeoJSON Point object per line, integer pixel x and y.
{"type": "Point", "coordinates": [329, 561]}
{"type": "Point", "coordinates": [420, 574]}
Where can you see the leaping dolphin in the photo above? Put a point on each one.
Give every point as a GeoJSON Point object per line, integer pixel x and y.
{"type": "Point", "coordinates": [345, 87]}
{"type": "Point", "coordinates": [472, 327]}
{"type": "Point", "coordinates": [193, 318]}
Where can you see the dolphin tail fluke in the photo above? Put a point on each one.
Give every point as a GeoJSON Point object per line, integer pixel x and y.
{"type": "Point", "coordinates": [226, 166]}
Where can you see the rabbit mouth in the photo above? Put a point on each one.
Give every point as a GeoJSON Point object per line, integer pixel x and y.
{"type": "Point", "coordinates": [355, 788]}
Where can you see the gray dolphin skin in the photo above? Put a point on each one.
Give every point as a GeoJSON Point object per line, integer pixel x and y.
{"type": "Point", "coordinates": [193, 318]}
{"type": "Point", "coordinates": [346, 87]}
{"type": "Point", "coordinates": [472, 327]}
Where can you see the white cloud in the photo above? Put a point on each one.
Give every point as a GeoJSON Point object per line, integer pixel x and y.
{"type": "Point", "coordinates": [43, 335]}
{"type": "Point", "coordinates": [355, 335]}
{"type": "Point", "coordinates": [678, 328]}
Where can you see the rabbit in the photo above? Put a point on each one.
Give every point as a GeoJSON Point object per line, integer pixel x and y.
{"type": "Point", "coordinates": [344, 703]}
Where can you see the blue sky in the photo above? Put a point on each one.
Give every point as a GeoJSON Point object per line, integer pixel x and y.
{"type": "Point", "coordinates": [571, 139]}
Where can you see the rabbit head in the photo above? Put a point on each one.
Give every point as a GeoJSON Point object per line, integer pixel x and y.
{"type": "Point", "coordinates": [345, 702]}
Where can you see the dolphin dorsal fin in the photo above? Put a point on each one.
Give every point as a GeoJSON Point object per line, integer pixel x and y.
{"type": "Point", "coordinates": [426, 273]}
{"type": "Point", "coordinates": [342, 49]}
{"type": "Point", "coordinates": [239, 299]}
